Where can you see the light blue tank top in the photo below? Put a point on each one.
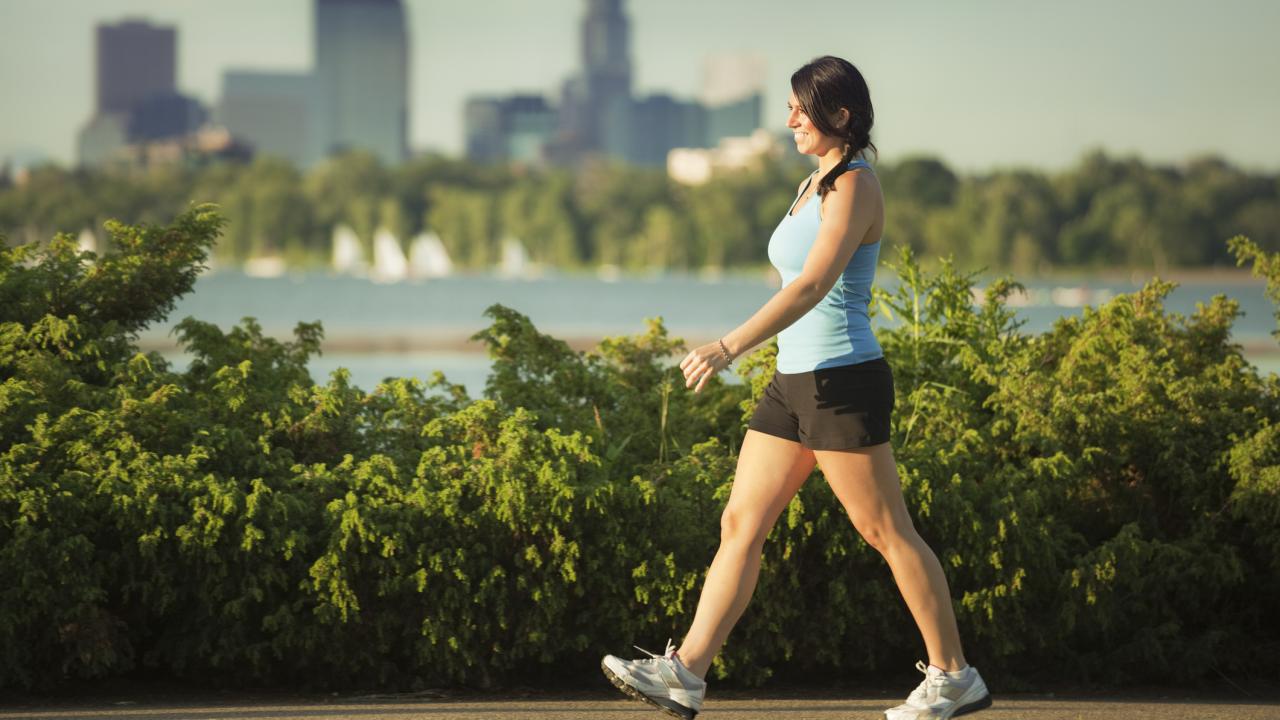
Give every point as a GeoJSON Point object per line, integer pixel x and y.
{"type": "Point", "coordinates": [837, 331]}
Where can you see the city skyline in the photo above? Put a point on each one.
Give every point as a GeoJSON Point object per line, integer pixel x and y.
{"type": "Point", "coordinates": [597, 112]}
{"type": "Point", "coordinates": [981, 86]}
{"type": "Point", "coordinates": [356, 97]}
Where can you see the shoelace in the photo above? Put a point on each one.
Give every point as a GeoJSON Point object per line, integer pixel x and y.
{"type": "Point", "coordinates": [655, 656]}
{"type": "Point", "coordinates": [921, 693]}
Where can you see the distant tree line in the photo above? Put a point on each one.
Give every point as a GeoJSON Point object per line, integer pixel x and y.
{"type": "Point", "coordinates": [1106, 211]}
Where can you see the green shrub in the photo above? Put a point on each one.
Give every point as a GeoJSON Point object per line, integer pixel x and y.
{"type": "Point", "coordinates": [1103, 496]}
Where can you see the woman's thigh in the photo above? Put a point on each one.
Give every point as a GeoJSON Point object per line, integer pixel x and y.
{"type": "Point", "coordinates": [866, 482]}
{"type": "Point", "coordinates": [770, 472]}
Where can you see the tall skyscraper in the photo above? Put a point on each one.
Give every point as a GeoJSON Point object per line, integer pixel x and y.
{"type": "Point", "coordinates": [136, 63]}
{"type": "Point", "coordinates": [136, 60]}
{"type": "Point", "coordinates": [362, 77]}
{"type": "Point", "coordinates": [606, 67]}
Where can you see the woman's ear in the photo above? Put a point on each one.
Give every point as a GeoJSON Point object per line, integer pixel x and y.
{"type": "Point", "coordinates": [842, 119]}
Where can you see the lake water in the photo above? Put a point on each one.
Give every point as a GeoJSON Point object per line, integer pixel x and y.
{"type": "Point", "coordinates": [414, 328]}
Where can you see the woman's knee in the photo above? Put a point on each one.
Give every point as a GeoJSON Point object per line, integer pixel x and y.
{"type": "Point", "coordinates": [742, 525]}
{"type": "Point", "coordinates": [883, 535]}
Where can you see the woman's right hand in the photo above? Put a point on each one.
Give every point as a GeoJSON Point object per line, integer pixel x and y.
{"type": "Point", "coordinates": [701, 363]}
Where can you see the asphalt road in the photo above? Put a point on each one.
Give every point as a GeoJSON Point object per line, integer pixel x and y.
{"type": "Point", "coordinates": [736, 706]}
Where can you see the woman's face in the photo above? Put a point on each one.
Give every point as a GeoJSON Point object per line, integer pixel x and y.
{"type": "Point", "coordinates": [809, 139]}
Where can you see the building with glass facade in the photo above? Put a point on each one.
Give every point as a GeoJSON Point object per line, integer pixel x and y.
{"type": "Point", "coordinates": [273, 113]}
{"type": "Point", "coordinates": [362, 77]}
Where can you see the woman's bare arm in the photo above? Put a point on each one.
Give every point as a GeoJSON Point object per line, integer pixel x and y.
{"type": "Point", "coordinates": [848, 214]}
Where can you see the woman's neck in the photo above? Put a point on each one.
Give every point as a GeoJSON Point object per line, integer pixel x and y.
{"type": "Point", "coordinates": [829, 160]}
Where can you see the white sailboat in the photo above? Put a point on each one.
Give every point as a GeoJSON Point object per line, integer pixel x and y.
{"type": "Point", "coordinates": [348, 256]}
{"type": "Point", "coordinates": [515, 260]}
{"type": "Point", "coordinates": [428, 257]}
{"type": "Point", "coordinates": [389, 263]}
{"type": "Point", "coordinates": [88, 241]}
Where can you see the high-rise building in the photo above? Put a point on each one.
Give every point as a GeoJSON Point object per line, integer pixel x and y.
{"type": "Point", "coordinates": [485, 140]}
{"type": "Point", "coordinates": [356, 97]}
{"type": "Point", "coordinates": [136, 64]}
{"type": "Point", "coordinates": [570, 140]}
{"type": "Point", "coordinates": [605, 87]}
{"type": "Point", "coordinates": [504, 129]}
{"type": "Point", "coordinates": [135, 61]}
{"type": "Point", "coordinates": [646, 129]}
{"type": "Point", "coordinates": [362, 77]}
{"type": "Point", "coordinates": [274, 113]}
{"type": "Point", "coordinates": [531, 123]}
{"type": "Point", "coordinates": [166, 115]}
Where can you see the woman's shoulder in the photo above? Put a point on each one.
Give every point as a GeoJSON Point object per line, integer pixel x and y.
{"type": "Point", "coordinates": [856, 175]}
{"type": "Point", "coordinates": [857, 182]}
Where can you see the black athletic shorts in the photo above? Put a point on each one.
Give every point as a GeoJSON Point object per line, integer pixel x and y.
{"type": "Point", "coordinates": [833, 408]}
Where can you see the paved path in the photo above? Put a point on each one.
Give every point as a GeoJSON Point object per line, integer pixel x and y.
{"type": "Point", "coordinates": [737, 706]}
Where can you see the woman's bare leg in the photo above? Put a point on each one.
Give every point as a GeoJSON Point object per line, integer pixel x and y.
{"type": "Point", "coordinates": [867, 484]}
{"type": "Point", "coordinates": [769, 473]}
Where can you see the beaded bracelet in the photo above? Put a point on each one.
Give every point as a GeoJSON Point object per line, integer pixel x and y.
{"type": "Point", "coordinates": [728, 359]}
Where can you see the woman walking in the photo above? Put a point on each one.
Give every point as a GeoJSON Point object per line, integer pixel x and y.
{"type": "Point", "coordinates": [828, 404]}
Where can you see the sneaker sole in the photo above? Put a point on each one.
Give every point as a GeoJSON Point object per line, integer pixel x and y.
{"type": "Point", "coordinates": [979, 704]}
{"type": "Point", "coordinates": [675, 709]}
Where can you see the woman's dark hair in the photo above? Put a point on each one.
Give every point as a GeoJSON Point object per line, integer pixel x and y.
{"type": "Point", "coordinates": [825, 85]}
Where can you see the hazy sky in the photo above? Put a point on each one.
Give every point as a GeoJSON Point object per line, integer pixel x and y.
{"type": "Point", "coordinates": [980, 83]}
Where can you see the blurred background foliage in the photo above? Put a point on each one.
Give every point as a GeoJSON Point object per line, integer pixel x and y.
{"type": "Point", "coordinates": [1104, 212]}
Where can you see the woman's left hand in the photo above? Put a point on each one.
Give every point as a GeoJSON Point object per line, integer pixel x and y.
{"type": "Point", "coordinates": [701, 363]}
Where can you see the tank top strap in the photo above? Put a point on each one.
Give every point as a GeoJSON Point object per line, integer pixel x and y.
{"type": "Point", "coordinates": [808, 181]}
{"type": "Point", "coordinates": [854, 164]}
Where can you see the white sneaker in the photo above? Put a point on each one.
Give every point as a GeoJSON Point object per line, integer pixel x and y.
{"type": "Point", "coordinates": [660, 680]}
{"type": "Point", "coordinates": [940, 696]}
